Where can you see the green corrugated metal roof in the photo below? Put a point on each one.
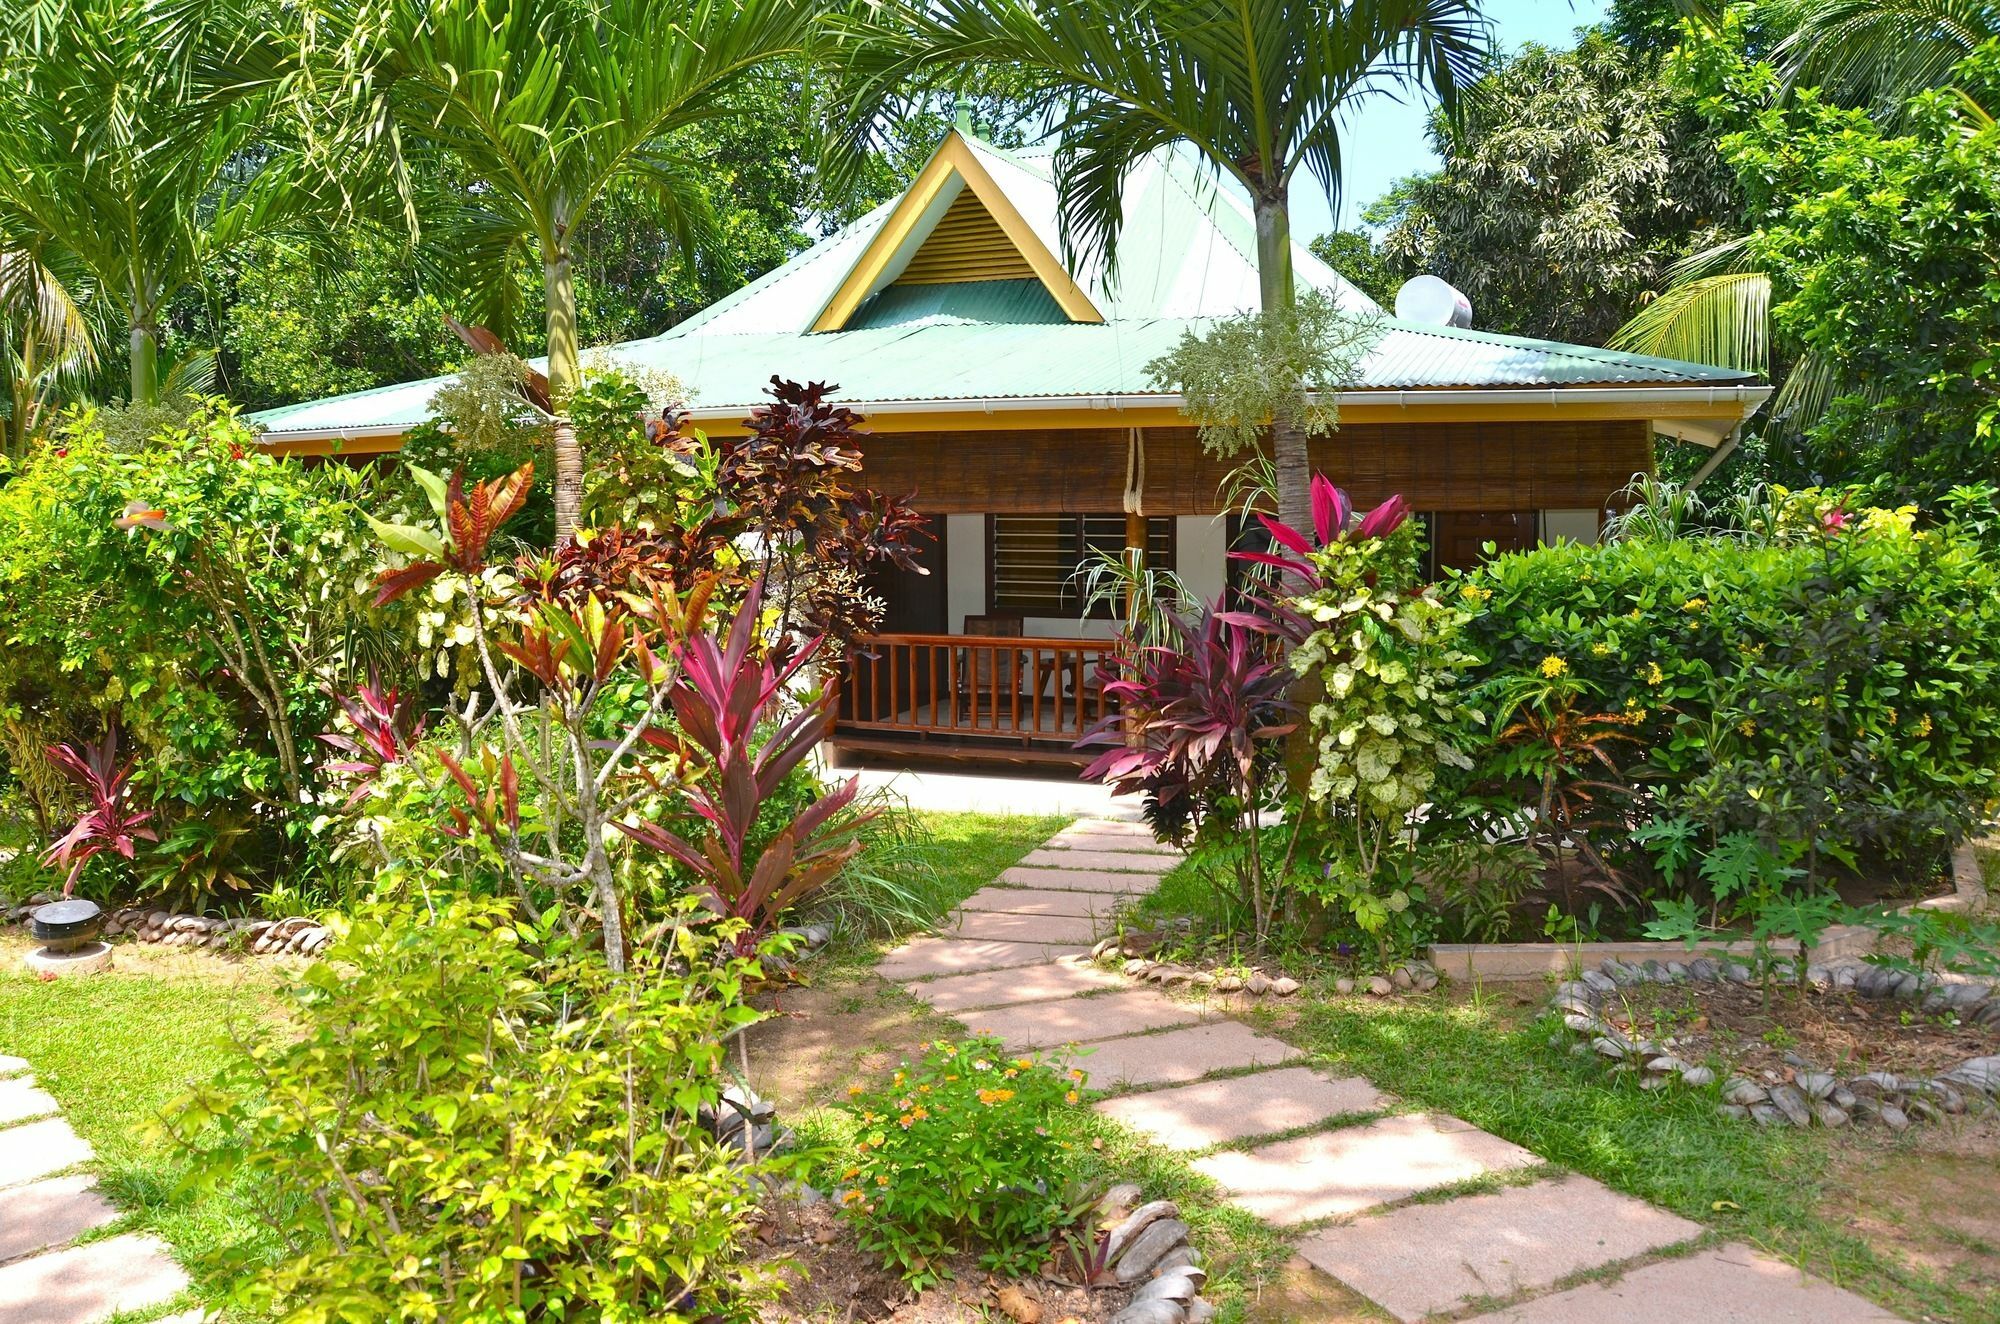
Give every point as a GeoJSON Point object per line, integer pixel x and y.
{"type": "Point", "coordinates": [1186, 256]}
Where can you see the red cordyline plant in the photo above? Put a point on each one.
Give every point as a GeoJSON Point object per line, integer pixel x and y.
{"type": "Point", "coordinates": [1200, 720]}
{"type": "Point", "coordinates": [730, 691]}
{"type": "Point", "coordinates": [386, 727]}
{"type": "Point", "coordinates": [108, 823]}
{"type": "Point", "coordinates": [548, 795]}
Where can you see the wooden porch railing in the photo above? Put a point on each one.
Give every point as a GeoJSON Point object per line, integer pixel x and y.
{"type": "Point", "coordinates": [949, 685]}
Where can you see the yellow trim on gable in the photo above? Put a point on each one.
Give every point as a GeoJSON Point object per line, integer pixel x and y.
{"type": "Point", "coordinates": [953, 158]}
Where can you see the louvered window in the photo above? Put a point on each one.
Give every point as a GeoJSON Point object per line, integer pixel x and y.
{"type": "Point", "coordinates": [1032, 561]}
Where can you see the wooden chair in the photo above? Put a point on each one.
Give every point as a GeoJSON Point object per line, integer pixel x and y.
{"type": "Point", "coordinates": [991, 675]}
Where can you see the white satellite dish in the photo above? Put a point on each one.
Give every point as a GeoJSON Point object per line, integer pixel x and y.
{"type": "Point", "coordinates": [1432, 302]}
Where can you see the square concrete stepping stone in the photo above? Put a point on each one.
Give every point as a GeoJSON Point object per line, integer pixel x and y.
{"type": "Point", "coordinates": [1728, 1285]}
{"type": "Point", "coordinates": [49, 1213]}
{"type": "Point", "coordinates": [1344, 1172]}
{"type": "Point", "coordinates": [1103, 881]}
{"type": "Point", "coordinates": [39, 1149]}
{"type": "Point", "coordinates": [1110, 861]}
{"type": "Point", "coordinates": [1135, 838]}
{"type": "Point", "coordinates": [1081, 1020]}
{"type": "Point", "coordinates": [1001, 988]}
{"type": "Point", "coordinates": [12, 1066]}
{"type": "Point", "coordinates": [1000, 927]}
{"type": "Point", "coordinates": [21, 1099]}
{"type": "Point", "coordinates": [1032, 901]}
{"type": "Point", "coordinates": [89, 1283]}
{"type": "Point", "coordinates": [927, 957]}
{"type": "Point", "coordinates": [1175, 1057]}
{"type": "Point", "coordinates": [1217, 1112]}
{"type": "Point", "coordinates": [1426, 1258]}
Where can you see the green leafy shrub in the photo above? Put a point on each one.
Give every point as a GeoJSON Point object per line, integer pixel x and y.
{"type": "Point", "coordinates": [1825, 677]}
{"type": "Point", "coordinates": [199, 594]}
{"type": "Point", "coordinates": [453, 1129]}
{"type": "Point", "coordinates": [962, 1149]}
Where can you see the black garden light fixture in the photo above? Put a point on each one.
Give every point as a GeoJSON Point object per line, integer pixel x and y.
{"type": "Point", "coordinates": [64, 926]}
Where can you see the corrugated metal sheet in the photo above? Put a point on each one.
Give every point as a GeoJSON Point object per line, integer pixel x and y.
{"type": "Point", "coordinates": [1186, 256]}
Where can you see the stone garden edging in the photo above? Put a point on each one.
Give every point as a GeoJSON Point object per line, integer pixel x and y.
{"type": "Point", "coordinates": [295, 935]}
{"type": "Point", "coordinates": [1498, 962]}
{"type": "Point", "coordinates": [1813, 1096]}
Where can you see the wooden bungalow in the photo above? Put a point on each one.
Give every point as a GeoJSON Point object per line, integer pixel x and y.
{"type": "Point", "coordinates": [1009, 392]}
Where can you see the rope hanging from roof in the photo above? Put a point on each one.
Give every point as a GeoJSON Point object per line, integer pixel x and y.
{"type": "Point", "coordinates": [1135, 471]}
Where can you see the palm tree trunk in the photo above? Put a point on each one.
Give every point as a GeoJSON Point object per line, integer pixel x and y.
{"type": "Point", "coordinates": [1289, 461]}
{"type": "Point", "coordinates": [560, 295]}
{"type": "Point", "coordinates": [145, 358]}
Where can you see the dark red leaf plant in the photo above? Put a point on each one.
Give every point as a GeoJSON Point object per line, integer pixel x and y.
{"type": "Point", "coordinates": [729, 704]}
{"type": "Point", "coordinates": [109, 822]}
{"type": "Point", "coordinates": [609, 708]}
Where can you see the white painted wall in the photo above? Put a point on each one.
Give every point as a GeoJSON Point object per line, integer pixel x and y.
{"type": "Point", "coordinates": [964, 570]}
{"type": "Point", "coordinates": [1201, 554]}
{"type": "Point", "coordinates": [1572, 525]}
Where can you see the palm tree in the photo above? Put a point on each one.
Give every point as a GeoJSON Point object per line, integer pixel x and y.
{"type": "Point", "coordinates": [125, 142]}
{"type": "Point", "coordinates": [1877, 54]}
{"type": "Point", "coordinates": [47, 341]}
{"type": "Point", "coordinates": [549, 106]}
{"type": "Point", "coordinates": [1258, 87]}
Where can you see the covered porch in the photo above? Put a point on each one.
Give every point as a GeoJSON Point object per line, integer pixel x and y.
{"type": "Point", "coordinates": [993, 652]}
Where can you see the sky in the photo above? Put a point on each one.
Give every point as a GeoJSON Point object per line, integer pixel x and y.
{"type": "Point", "coordinates": [1386, 141]}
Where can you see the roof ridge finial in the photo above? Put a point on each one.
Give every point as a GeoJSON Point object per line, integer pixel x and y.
{"type": "Point", "coordinates": [961, 110]}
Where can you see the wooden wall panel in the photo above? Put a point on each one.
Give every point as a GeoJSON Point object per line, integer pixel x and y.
{"type": "Point", "coordinates": [1437, 466]}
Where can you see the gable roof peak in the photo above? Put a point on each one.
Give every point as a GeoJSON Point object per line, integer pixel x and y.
{"type": "Point", "coordinates": [958, 221]}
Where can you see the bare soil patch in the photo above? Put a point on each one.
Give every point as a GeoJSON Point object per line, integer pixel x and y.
{"type": "Point", "coordinates": [828, 1277]}
{"type": "Point", "coordinates": [1836, 1031]}
{"type": "Point", "coordinates": [1929, 1198]}
{"type": "Point", "coordinates": [851, 1029]}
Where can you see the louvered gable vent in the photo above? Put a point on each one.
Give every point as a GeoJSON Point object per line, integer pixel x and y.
{"type": "Point", "coordinates": [966, 245]}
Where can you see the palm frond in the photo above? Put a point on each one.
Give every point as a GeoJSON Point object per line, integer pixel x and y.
{"type": "Point", "coordinates": [1723, 319]}
{"type": "Point", "coordinates": [1877, 54]}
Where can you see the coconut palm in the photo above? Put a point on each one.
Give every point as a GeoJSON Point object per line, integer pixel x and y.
{"type": "Point", "coordinates": [1258, 87]}
{"type": "Point", "coordinates": [1877, 54]}
{"type": "Point", "coordinates": [549, 106]}
{"type": "Point", "coordinates": [125, 142]}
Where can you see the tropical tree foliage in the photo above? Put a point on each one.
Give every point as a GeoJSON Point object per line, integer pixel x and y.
{"type": "Point", "coordinates": [1575, 181]}
{"type": "Point", "coordinates": [1259, 89]}
{"type": "Point", "coordinates": [551, 107]}
{"type": "Point", "coordinates": [126, 132]}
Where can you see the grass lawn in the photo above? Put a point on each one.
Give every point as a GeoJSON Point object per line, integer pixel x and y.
{"type": "Point", "coordinates": [114, 1050]}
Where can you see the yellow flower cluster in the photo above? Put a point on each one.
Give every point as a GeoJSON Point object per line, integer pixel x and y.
{"type": "Point", "coordinates": [1747, 726]}
{"type": "Point", "coordinates": [1600, 649]}
{"type": "Point", "coordinates": [1695, 604]}
{"type": "Point", "coordinates": [1474, 593]}
{"type": "Point", "coordinates": [1652, 674]}
{"type": "Point", "coordinates": [991, 1097]}
{"type": "Point", "coordinates": [1553, 665]}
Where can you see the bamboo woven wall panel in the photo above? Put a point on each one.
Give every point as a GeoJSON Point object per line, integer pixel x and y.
{"type": "Point", "coordinates": [1436, 466]}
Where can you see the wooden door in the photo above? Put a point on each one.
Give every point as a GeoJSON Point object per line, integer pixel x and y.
{"type": "Point", "coordinates": [1459, 537]}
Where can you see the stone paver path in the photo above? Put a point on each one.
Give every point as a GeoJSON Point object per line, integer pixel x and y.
{"type": "Point", "coordinates": [1423, 1214]}
{"type": "Point", "coordinates": [45, 1276]}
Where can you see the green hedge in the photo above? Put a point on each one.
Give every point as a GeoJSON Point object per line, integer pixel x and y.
{"type": "Point", "coordinates": [1829, 672]}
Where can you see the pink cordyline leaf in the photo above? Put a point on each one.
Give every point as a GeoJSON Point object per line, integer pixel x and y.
{"type": "Point", "coordinates": [1385, 519]}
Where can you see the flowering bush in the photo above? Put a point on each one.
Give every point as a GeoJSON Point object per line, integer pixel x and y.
{"type": "Point", "coordinates": [962, 1148]}
{"type": "Point", "coordinates": [1824, 675]}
